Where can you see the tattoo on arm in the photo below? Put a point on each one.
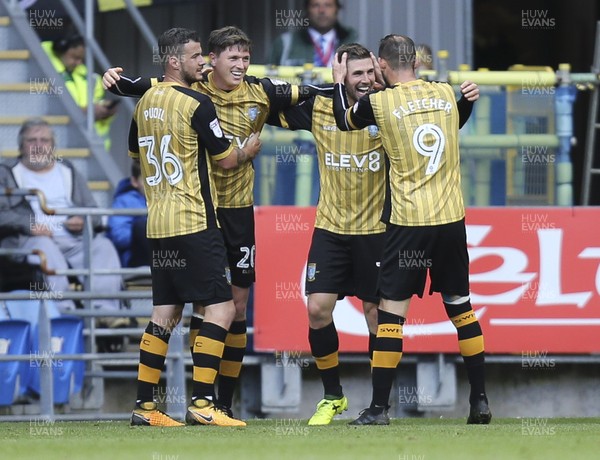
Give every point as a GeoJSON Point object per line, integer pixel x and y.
{"type": "Point", "coordinates": [242, 156]}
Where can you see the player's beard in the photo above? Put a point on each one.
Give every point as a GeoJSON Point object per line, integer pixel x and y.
{"type": "Point", "coordinates": [189, 77]}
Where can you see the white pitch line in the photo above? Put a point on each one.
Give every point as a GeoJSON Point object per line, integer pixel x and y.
{"type": "Point", "coordinates": [545, 321]}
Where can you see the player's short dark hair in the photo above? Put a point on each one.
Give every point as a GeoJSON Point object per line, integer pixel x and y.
{"type": "Point", "coordinates": [353, 51]}
{"type": "Point", "coordinates": [136, 170]}
{"type": "Point", "coordinates": [171, 41]}
{"type": "Point", "coordinates": [221, 39]}
{"type": "Point", "coordinates": [399, 51]}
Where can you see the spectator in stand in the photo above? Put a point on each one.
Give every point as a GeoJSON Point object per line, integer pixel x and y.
{"type": "Point", "coordinates": [317, 43]}
{"type": "Point", "coordinates": [59, 237]}
{"type": "Point", "coordinates": [67, 55]}
{"type": "Point", "coordinates": [128, 233]}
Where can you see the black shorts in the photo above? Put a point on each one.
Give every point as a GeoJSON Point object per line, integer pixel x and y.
{"type": "Point", "coordinates": [237, 225]}
{"type": "Point", "coordinates": [190, 268]}
{"type": "Point", "coordinates": [347, 265]}
{"type": "Point", "coordinates": [412, 251]}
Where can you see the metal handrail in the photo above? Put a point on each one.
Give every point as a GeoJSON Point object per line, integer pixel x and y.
{"type": "Point", "coordinates": [141, 23]}
{"type": "Point", "coordinates": [88, 213]}
{"type": "Point", "coordinates": [96, 145]}
{"type": "Point", "coordinates": [91, 43]}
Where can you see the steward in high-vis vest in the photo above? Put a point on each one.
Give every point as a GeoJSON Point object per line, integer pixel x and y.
{"type": "Point", "coordinates": [67, 55]}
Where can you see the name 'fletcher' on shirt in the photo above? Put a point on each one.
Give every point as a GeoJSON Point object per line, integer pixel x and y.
{"type": "Point", "coordinates": [422, 104]}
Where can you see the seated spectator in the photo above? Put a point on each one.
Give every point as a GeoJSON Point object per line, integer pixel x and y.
{"type": "Point", "coordinates": [67, 55]}
{"type": "Point", "coordinates": [128, 233]}
{"type": "Point", "coordinates": [317, 43]}
{"type": "Point", "coordinates": [60, 238]}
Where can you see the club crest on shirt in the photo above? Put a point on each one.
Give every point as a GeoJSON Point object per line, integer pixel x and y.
{"type": "Point", "coordinates": [373, 130]}
{"type": "Point", "coordinates": [228, 275]}
{"type": "Point", "coordinates": [253, 113]}
{"type": "Point", "coordinates": [311, 271]}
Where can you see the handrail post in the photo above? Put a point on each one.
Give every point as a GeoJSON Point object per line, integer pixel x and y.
{"type": "Point", "coordinates": [46, 362]}
{"type": "Point", "coordinates": [89, 63]}
{"type": "Point", "coordinates": [563, 103]}
{"type": "Point", "coordinates": [175, 394]}
{"type": "Point", "coordinates": [142, 24]}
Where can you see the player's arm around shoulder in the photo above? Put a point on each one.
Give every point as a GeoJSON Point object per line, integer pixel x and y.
{"type": "Point", "coordinates": [205, 122]}
{"type": "Point", "coordinates": [469, 90]}
{"type": "Point", "coordinates": [238, 156]}
{"type": "Point", "coordinates": [470, 93]}
{"type": "Point", "coordinates": [114, 81]}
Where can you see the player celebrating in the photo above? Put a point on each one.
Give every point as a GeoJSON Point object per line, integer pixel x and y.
{"type": "Point", "coordinates": [348, 237]}
{"type": "Point", "coordinates": [424, 212]}
{"type": "Point", "coordinates": [243, 104]}
{"type": "Point", "coordinates": [175, 133]}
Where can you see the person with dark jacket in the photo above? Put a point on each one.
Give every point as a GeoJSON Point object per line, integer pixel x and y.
{"type": "Point", "coordinates": [128, 233]}
{"type": "Point", "coordinates": [317, 43]}
{"type": "Point", "coordinates": [24, 224]}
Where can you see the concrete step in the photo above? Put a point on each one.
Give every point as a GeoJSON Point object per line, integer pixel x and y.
{"type": "Point", "coordinates": [22, 103]}
{"type": "Point", "coordinates": [38, 95]}
{"type": "Point", "coordinates": [15, 65]}
{"type": "Point", "coordinates": [12, 70]}
{"type": "Point", "coordinates": [9, 38]}
{"type": "Point", "coordinates": [66, 136]}
{"type": "Point", "coordinates": [101, 192]}
{"type": "Point", "coordinates": [6, 55]}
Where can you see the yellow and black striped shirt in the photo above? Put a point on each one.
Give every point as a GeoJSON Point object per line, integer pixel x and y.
{"type": "Point", "coordinates": [173, 132]}
{"type": "Point", "coordinates": [419, 124]}
{"type": "Point", "coordinates": [241, 111]}
{"type": "Point", "coordinates": [351, 169]}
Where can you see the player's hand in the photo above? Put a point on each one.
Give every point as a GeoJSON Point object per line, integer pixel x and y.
{"type": "Point", "coordinates": [339, 69]}
{"type": "Point", "coordinates": [470, 91]}
{"type": "Point", "coordinates": [379, 81]}
{"type": "Point", "coordinates": [111, 76]}
{"type": "Point", "coordinates": [205, 72]}
{"type": "Point", "coordinates": [253, 145]}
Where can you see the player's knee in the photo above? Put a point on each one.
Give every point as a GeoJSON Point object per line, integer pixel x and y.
{"type": "Point", "coordinates": [318, 313]}
{"type": "Point", "coordinates": [453, 299]}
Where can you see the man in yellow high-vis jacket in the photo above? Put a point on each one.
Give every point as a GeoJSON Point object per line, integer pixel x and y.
{"type": "Point", "coordinates": [67, 55]}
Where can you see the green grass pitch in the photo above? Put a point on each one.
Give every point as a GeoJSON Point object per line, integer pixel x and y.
{"type": "Point", "coordinates": [404, 439]}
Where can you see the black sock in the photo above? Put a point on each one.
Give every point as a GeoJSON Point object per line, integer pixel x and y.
{"type": "Point", "coordinates": [324, 345]}
{"type": "Point", "coordinates": [386, 356]}
{"type": "Point", "coordinates": [153, 350]}
{"type": "Point", "coordinates": [231, 363]}
{"type": "Point", "coordinates": [470, 342]}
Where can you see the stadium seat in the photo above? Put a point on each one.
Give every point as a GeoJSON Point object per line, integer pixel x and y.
{"type": "Point", "coordinates": [14, 340]}
{"type": "Point", "coordinates": [29, 310]}
{"type": "Point", "coordinates": [66, 338]}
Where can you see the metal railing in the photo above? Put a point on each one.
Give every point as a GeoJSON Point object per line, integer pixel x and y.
{"type": "Point", "coordinates": [175, 358]}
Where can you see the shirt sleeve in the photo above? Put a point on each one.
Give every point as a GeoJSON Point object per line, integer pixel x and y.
{"type": "Point", "coordinates": [282, 94]}
{"type": "Point", "coordinates": [295, 117]}
{"type": "Point", "coordinates": [206, 124]}
{"type": "Point", "coordinates": [134, 148]}
{"type": "Point", "coordinates": [465, 108]}
{"type": "Point", "coordinates": [133, 87]}
{"type": "Point", "coordinates": [347, 118]}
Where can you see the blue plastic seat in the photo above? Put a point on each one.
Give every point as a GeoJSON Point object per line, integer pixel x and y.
{"type": "Point", "coordinates": [66, 338]}
{"type": "Point", "coordinates": [14, 340]}
{"type": "Point", "coordinates": [28, 310]}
